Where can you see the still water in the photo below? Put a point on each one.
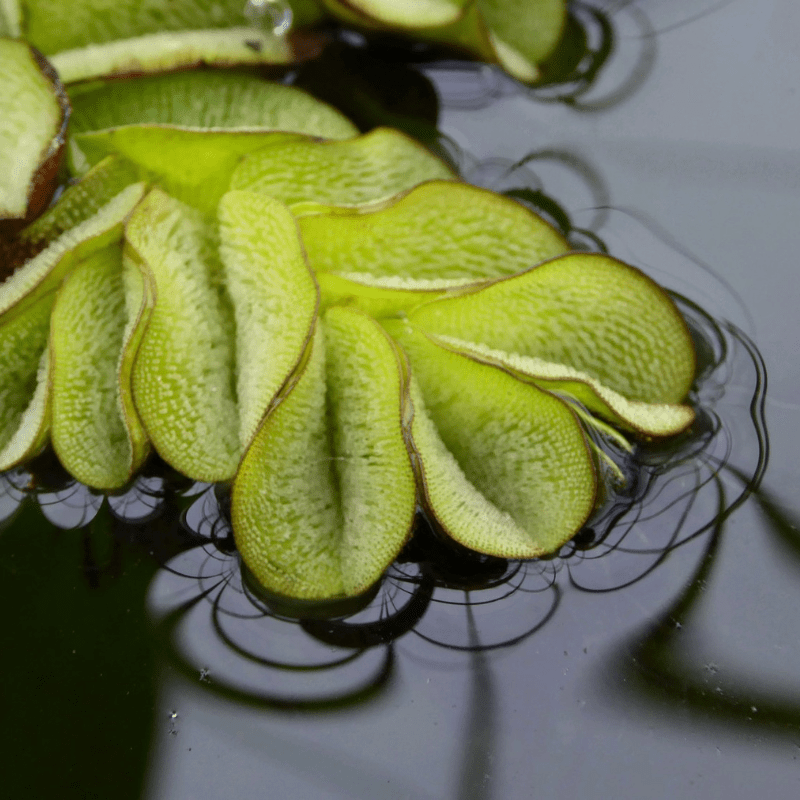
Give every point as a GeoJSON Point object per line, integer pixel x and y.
{"type": "Point", "coordinates": [657, 660]}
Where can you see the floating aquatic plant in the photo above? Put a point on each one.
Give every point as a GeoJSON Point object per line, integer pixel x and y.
{"type": "Point", "coordinates": [332, 322]}
{"type": "Point", "coordinates": [92, 38]}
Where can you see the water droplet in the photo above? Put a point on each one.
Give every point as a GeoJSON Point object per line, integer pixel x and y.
{"type": "Point", "coordinates": [274, 15]}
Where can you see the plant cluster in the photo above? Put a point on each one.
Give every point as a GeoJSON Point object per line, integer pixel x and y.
{"type": "Point", "coordinates": [92, 38]}
{"type": "Point", "coordinates": [331, 321]}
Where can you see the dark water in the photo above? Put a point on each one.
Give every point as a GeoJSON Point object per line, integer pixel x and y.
{"type": "Point", "coordinates": [659, 660]}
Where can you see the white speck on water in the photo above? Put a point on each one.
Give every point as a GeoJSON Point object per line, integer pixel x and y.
{"type": "Point", "coordinates": [753, 709]}
{"type": "Point", "coordinates": [279, 12]}
{"type": "Point", "coordinates": [173, 714]}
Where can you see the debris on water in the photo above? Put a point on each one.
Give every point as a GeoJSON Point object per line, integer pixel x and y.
{"type": "Point", "coordinates": [205, 675]}
{"type": "Point", "coordinates": [711, 668]}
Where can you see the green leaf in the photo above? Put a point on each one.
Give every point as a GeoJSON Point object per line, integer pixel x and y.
{"type": "Point", "coordinates": [193, 166]}
{"type": "Point", "coordinates": [88, 38]}
{"type": "Point", "coordinates": [590, 312]}
{"type": "Point", "coordinates": [10, 18]}
{"type": "Point", "coordinates": [403, 14]}
{"type": "Point", "coordinates": [274, 299]}
{"type": "Point", "coordinates": [523, 32]}
{"type": "Point", "coordinates": [33, 117]}
{"type": "Point", "coordinates": [325, 496]}
{"type": "Point", "coordinates": [83, 199]}
{"type": "Point", "coordinates": [648, 419]}
{"type": "Point", "coordinates": [183, 378]}
{"type": "Point", "coordinates": [95, 431]}
{"type": "Point", "coordinates": [377, 165]}
{"type": "Point", "coordinates": [375, 297]}
{"type": "Point", "coordinates": [505, 467]}
{"type": "Point", "coordinates": [440, 234]}
{"type": "Point", "coordinates": [157, 52]}
{"type": "Point", "coordinates": [43, 274]}
{"type": "Point", "coordinates": [189, 131]}
{"type": "Point", "coordinates": [25, 388]}
{"type": "Point", "coordinates": [205, 99]}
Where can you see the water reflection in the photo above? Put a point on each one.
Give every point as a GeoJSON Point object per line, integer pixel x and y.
{"type": "Point", "coordinates": [659, 665]}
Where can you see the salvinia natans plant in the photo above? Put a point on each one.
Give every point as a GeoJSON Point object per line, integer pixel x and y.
{"type": "Point", "coordinates": [334, 323]}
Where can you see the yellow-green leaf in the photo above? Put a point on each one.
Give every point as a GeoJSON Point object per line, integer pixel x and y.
{"type": "Point", "coordinates": [442, 232]}
{"type": "Point", "coordinates": [274, 299]}
{"type": "Point", "coordinates": [95, 439]}
{"type": "Point", "coordinates": [183, 378]}
{"type": "Point", "coordinates": [379, 164]}
{"type": "Point", "coordinates": [506, 469]}
{"type": "Point", "coordinates": [325, 496]}
{"type": "Point", "coordinates": [586, 311]}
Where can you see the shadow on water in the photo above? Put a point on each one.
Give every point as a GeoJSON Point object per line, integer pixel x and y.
{"type": "Point", "coordinates": [78, 690]}
{"type": "Point", "coordinates": [652, 666]}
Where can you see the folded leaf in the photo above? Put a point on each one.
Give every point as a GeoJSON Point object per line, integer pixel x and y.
{"type": "Point", "coordinates": [379, 164]}
{"type": "Point", "coordinates": [649, 419]}
{"type": "Point", "coordinates": [83, 199]}
{"type": "Point", "coordinates": [189, 131]}
{"type": "Point", "coordinates": [87, 38]}
{"type": "Point", "coordinates": [33, 119]}
{"type": "Point", "coordinates": [156, 52]}
{"type": "Point", "coordinates": [439, 232]}
{"type": "Point", "coordinates": [25, 388]}
{"type": "Point", "coordinates": [325, 496]}
{"type": "Point", "coordinates": [274, 299]}
{"type": "Point", "coordinates": [193, 166]}
{"type": "Point", "coordinates": [374, 296]}
{"type": "Point", "coordinates": [95, 431]}
{"type": "Point", "coordinates": [506, 469]}
{"type": "Point", "coordinates": [183, 378]}
{"type": "Point", "coordinates": [205, 99]}
{"type": "Point", "coordinates": [585, 311]}
{"type": "Point", "coordinates": [43, 274]}
{"type": "Point", "coordinates": [523, 32]}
